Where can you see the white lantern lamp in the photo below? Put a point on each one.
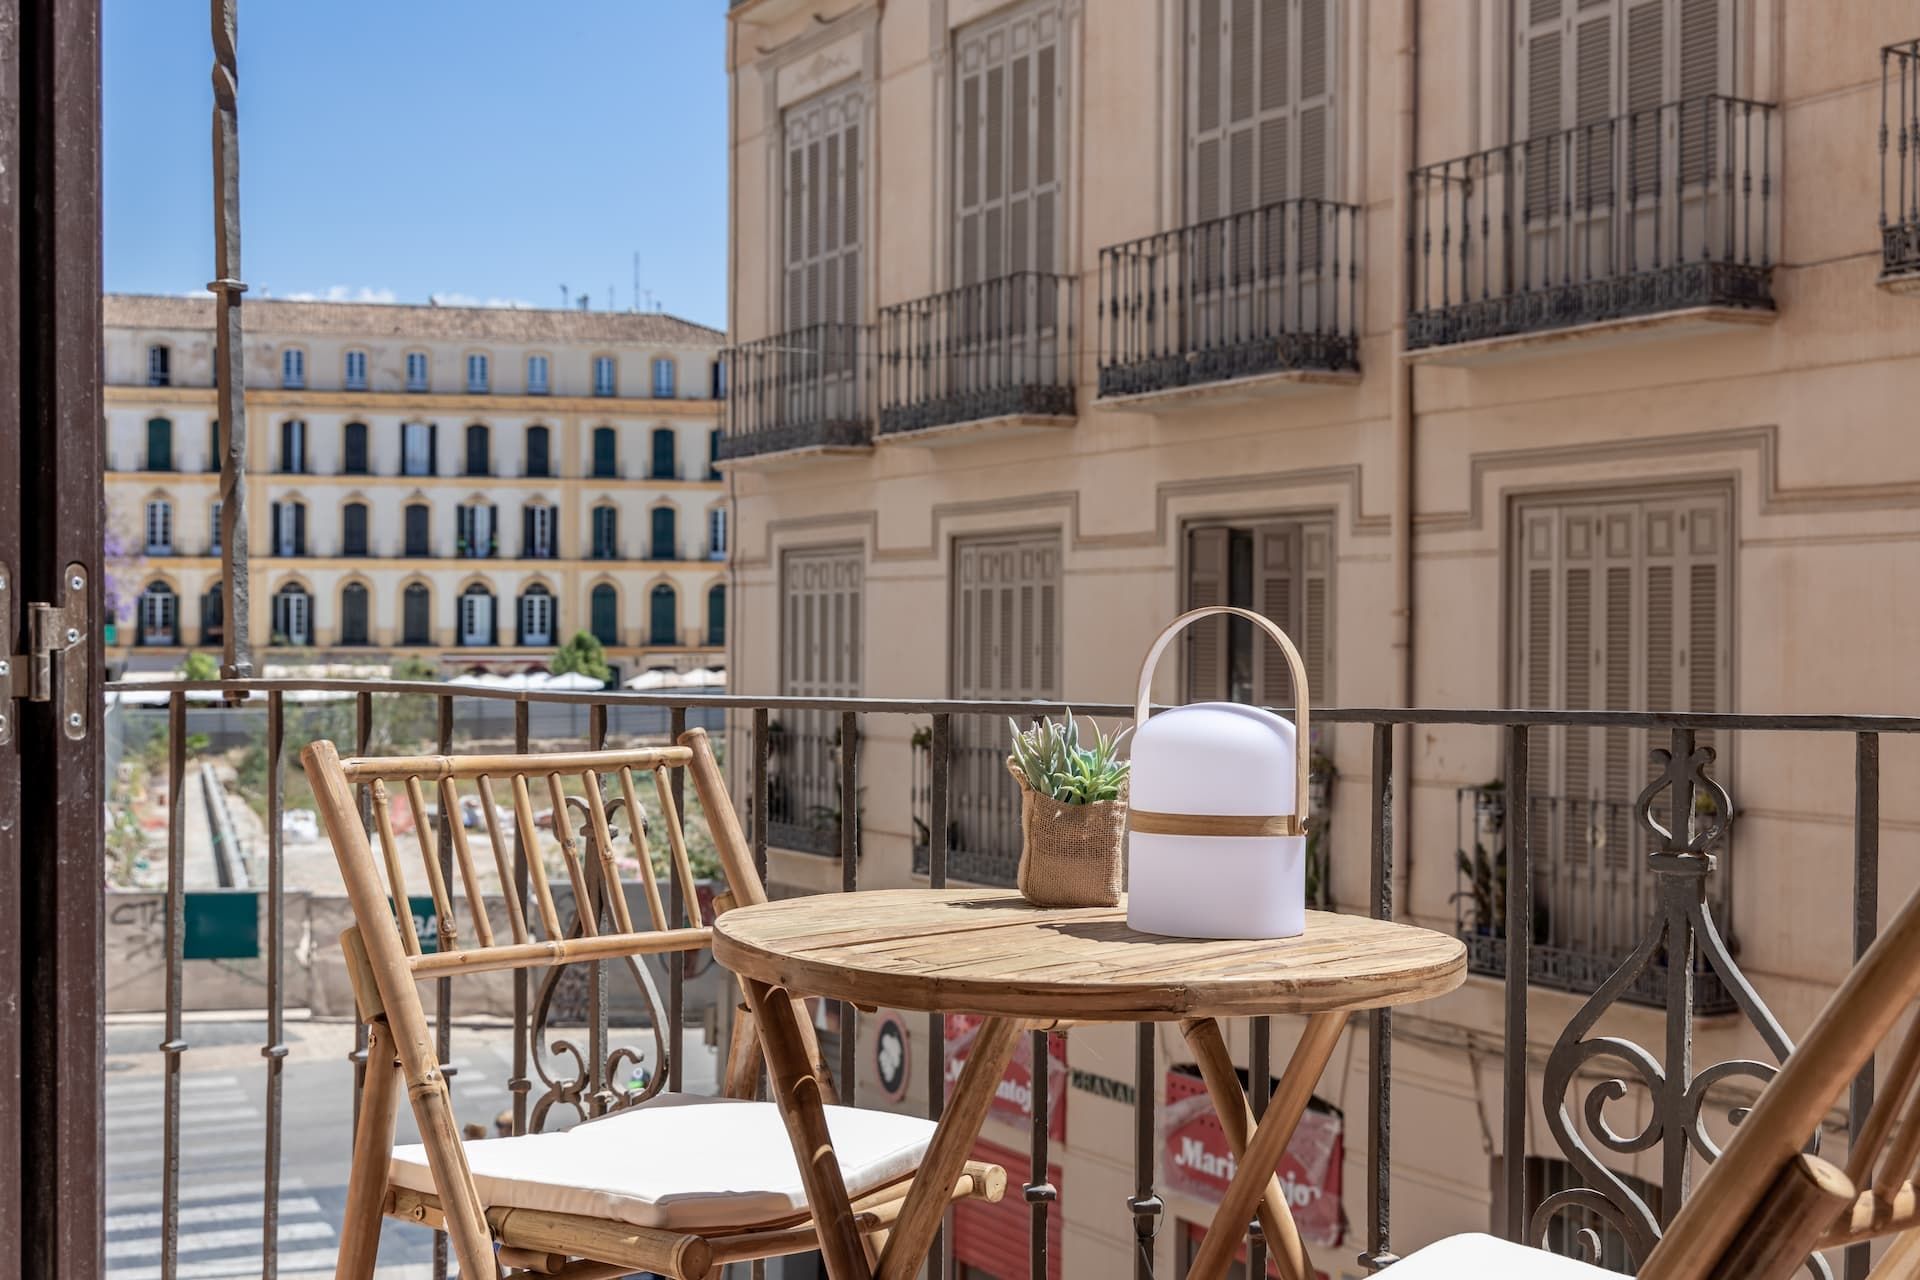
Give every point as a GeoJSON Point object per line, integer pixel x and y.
{"type": "Point", "coordinates": [1217, 809]}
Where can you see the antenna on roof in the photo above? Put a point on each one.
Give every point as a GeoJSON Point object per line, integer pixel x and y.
{"type": "Point", "coordinates": [636, 281]}
{"type": "Point", "coordinates": [565, 301]}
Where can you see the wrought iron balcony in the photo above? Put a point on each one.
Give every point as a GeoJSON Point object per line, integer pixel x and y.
{"type": "Point", "coordinates": [1664, 210]}
{"type": "Point", "coordinates": [980, 801]}
{"type": "Point", "coordinates": [1900, 164]}
{"type": "Point", "coordinates": [803, 783]}
{"type": "Point", "coordinates": [1266, 292]}
{"type": "Point", "coordinates": [1002, 348]}
{"type": "Point", "coordinates": [803, 390]}
{"type": "Point", "coordinates": [1593, 892]}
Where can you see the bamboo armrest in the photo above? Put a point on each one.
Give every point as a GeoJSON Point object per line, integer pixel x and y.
{"type": "Point", "coordinates": [521, 955]}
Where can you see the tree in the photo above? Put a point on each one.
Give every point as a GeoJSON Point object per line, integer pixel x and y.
{"type": "Point", "coordinates": [584, 655]}
{"type": "Point", "coordinates": [200, 666]}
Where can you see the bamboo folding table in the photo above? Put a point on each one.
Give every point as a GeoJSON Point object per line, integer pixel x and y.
{"type": "Point", "coordinates": [988, 952]}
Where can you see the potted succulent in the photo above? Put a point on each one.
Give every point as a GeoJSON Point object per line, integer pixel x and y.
{"type": "Point", "coordinates": [1073, 813]}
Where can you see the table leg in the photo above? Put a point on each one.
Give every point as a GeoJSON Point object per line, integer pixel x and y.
{"type": "Point", "coordinates": [798, 1091]}
{"type": "Point", "coordinates": [1236, 1118]}
{"type": "Point", "coordinates": [1266, 1145]}
{"type": "Point", "coordinates": [953, 1139]}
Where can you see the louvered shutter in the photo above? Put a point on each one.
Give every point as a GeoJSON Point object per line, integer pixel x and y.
{"type": "Point", "coordinates": [300, 528]}
{"type": "Point", "coordinates": [1699, 72]}
{"type": "Point", "coordinates": [1007, 147]}
{"type": "Point", "coordinates": [1276, 588]}
{"type": "Point", "coordinates": [1539, 102]}
{"type": "Point", "coordinates": [526, 533]}
{"type": "Point", "coordinates": [1646, 91]}
{"type": "Point", "coordinates": [274, 529]}
{"type": "Point", "coordinates": [1316, 603]}
{"type": "Point", "coordinates": [433, 449]}
{"type": "Point", "coordinates": [1207, 652]}
{"type": "Point", "coordinates": [1537, 649]}
{"type": "Point", "coordinates": [493, 527]}
{"type": "Point", "coordinates": [822, 199]}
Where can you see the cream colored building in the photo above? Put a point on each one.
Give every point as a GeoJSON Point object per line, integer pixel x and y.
{"type": "Point", "coordinates": [475, 485]}
{"type": "Point", "coordinates": [1541, 353]}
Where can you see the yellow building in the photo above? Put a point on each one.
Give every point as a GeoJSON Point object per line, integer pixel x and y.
{"type": "Point", "coordinates": [1531, 353]}
{"type": "Point", "coordinates": [470, 484]}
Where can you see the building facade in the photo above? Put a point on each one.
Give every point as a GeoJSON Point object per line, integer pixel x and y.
{"type": "Point", "coordinates": [472, 485]}
{"type": "Point", "coordinates": [1507, 352]}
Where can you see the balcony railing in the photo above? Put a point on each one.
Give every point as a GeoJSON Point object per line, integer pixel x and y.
{"type": "Point", "coordinates": [1267, 291]}
{"type": "Point", "coordinates": [996, 349]}
{"type": "Point", "coordinates": [1900, 160]}
{"type": "Point", "coordinates": [1662, 210]}
{"type": "Point", "coordinates": [150, 1128]}
{"type": "Point", "coordinates": [1592, 892]}
{"type": "Point", "coordinates": [803, 389]}
{"type": "Point", "coordinates": [803, 783]}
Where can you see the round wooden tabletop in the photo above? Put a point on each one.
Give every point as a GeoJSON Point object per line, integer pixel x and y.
{"type": "Point", "coordinates": [988, 951]}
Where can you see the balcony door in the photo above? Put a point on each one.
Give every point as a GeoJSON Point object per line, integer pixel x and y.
{"type": "Point", "coordinates": [822, 647]}
{"type": "Point", "coordinates": [1624, 146]}
{"type": "Point", "coordinates": [1260, 131]}
{"type": "Point", "coordinates": [1280, 569]}
{"type": "Point", "coordinates": [1620, 604]}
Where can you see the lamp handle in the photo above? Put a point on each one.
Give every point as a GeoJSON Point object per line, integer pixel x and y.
{"type": "Point", "coordinates": [1301, 745]}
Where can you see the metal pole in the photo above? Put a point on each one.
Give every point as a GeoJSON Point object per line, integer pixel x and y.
{"type": "Point", "coordinates": [228, 372]}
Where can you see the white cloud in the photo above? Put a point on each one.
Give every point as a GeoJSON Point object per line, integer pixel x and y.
{"type": "Point", "coordinates": [345, 293]}
{"type": "Point", "coordinates": [457, 299]}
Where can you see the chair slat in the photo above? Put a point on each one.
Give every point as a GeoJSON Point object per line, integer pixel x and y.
{"type": "Point", "coordinates": [563, 832]}
{"type": "Point", "coordinates": [463, 857]}
{"type": "Point", "coordinates": [603, 843]}
{"type": "Point", "coordinates": [502, 861]}
{"type": "Point", "coordinates": [446, 924]}
{"type": "Point", "coordinates": [677, 843]}
{"type": "Point", "coordinates": [536, 860]}
{"type": "Point", "coordinates": [637, 824]}
{"type": "Point", "coordinates": [1890, 1103]}
{"type": "Point", "coordinates": [396, 878]}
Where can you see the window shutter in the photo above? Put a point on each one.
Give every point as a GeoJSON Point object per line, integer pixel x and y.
{"type": "Point", "coordinates": [1698, 74]}
{"type": "Point", "coordinates": [1207, 552]}
{"type": "Point", "coordinates": [1276, 586]}
{"type": "Point", "coordinates": [1207, 37]}
{"type": "Point", "coordinates": [433, 449]}
{"type": "Point", "coordinates": [822, 198]}
{"type": "Point", "coordinates": [1007, 150]}
{"type": "Point", "coordinates": [1538, 651]}
{"type": "Point", "coordinates": [299, 528]}
{"type": "Point", "coordinates": [1540, 102]}
{"type": "Point", "coordinates": [1316, 598]}
{"type": "Point", "coordinates": [273, 519]}
{"type": "Point", "coordinates": [1646, 91]}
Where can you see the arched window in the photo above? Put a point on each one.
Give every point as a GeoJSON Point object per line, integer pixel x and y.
{"type": "Point", "coordinates": [479, 459]}
{"type": "Point", "coordinates": [605, 382]}
{"type": "Point", "coordinates": [716, 615]}
{"type": "Point", "coordinates": [213, 616]}
{"type": "Point", "coordinates": [354, 455]}
{"type": "Point", "coordinates": [292, 615]}
{"type": "Point", "coordinates": [353, 529]}
{"type": "Point", "coordinates": [663, 379]}
{"type": "Point", "coordinates": [159, 444]}
{"type": "Point", "coordinates": [663, 467]}
{"type": "Point", "coordinates": [159, 615]}
{"type": "Point", "coordinates": [289, 521]}
{"type": "Point", "coordinates": [606, 454]}
{"type": "Point", "coordinates": [353, 614]}
{"type": "Point", "coordinates": [666, 540]}
{"type": "Point", "coordinates": [416, 614]}
{"type": "Point", "coordinates": [160, 527]}
{"type": "Point", "coordinates": [418, 532]}
{"type": "Point", "coordinates": [536, 616]}
{"type": "Point", "coordinates": [663, 616]}
{"type": "Point", "coordinates": [159, 365]}
{"type": "Point", "coordinates": [539, 452]}
{"type": "Point", "coordinates": [606, 615]}
{"type": "Point", "coordinates": [476, 616]}
{"type": "Point", "coordinates": [606, 532]}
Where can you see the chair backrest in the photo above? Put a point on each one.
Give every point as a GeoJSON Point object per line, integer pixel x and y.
{"type": "Point", "coordinates": [605, 793]}
{"type": "Point", "coordinates": [1766, 1203]}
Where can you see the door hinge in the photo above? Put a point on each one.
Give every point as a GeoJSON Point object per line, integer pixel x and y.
{"type": "Point", "coordinates": [53, 668]}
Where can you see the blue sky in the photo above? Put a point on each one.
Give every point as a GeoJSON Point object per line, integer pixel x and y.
{"type": "Point", "coordinates": [477, 150]}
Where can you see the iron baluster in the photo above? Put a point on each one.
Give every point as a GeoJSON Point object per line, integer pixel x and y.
{"type": "Point", "coordinates": [1380, 1021]}
{"type": "Point", "coordinates": [275, 1050]}
{"type": "Point", "coordinates": [1866, 926]}
{"type": "Point", "coordinates": [175, 1044]}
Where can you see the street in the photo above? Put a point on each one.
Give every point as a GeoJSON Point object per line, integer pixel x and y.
{"type": "Point", "coordinates": [223, 1141]}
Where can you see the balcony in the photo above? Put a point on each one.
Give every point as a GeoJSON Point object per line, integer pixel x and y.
{"type": "Point", "coordinates": [1900, 167]}
{"type": "Point", "coordinates": [1657, 220]}
{"type": "Point", "coordinates": [798, 394]}
{"type": "Point", "coordinates": [1253, 302]}
{"type": "Point", "coordinates": [1593, 873]}
{"type": "Point", "coordinates": [996, 355]}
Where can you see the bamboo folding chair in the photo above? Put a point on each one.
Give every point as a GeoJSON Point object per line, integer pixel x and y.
{"type": "Point", "coordinates": [1766, 1203]}
{"type": "Point", "coordinates": [678, 1184]}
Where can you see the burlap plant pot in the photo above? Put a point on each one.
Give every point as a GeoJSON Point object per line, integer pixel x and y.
{"type": "Point", "coordinates": [1071, 855]}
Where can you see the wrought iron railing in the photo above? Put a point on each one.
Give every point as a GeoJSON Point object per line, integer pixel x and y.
{"type": "Point", "coordinates": [998, 348]}
{"type": "Point", "coordinates": [1666, 209]}
{"type": "Point", "coordinates": [1900, 159]}
{"type": "Point", "coordinates": [803, 783]}
{"type": "Point", "coordinates": [1271, 290]}
{"type": "Point", "coordinates": [1592, 891]}
{"type": "Point", "coordinates": [807, 388]}
{"type": "Point", "coordinates": [1678, 882]}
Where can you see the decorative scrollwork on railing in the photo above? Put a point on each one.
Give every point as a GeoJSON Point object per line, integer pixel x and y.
{"type": "Point", "coordinates": [1680, 932]}
{"type": "Point", "coordinates": [586, 1085]}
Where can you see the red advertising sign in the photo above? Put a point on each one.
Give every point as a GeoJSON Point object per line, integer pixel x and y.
{"type": "Point", "coordinates": [1200, 1161]}
{"type": "Point", "coordinates": [1013, 1100]}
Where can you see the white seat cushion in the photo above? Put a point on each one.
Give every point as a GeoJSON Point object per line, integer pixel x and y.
{"type": "Point", "coordinates": [1481, 1257]}
{"type": "Point", "coordinates": [680, 1162]}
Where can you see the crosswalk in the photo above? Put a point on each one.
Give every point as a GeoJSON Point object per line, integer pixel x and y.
{"type": "Point", "coordinates": [222, 1136]}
